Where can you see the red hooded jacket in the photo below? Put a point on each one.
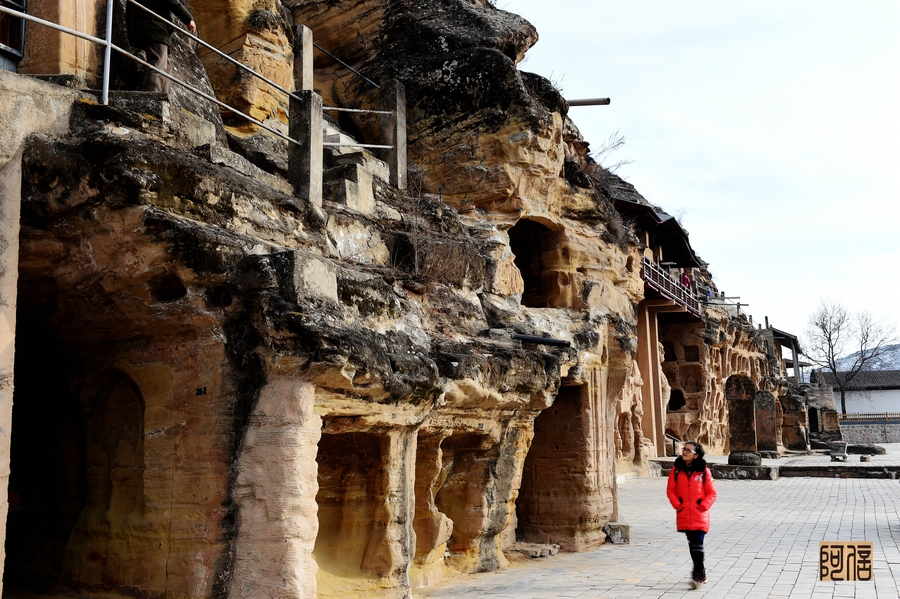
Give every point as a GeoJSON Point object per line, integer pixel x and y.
{"type": "Point", "coordinates": [691, 492]}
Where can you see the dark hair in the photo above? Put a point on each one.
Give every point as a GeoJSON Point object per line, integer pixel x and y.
{"type": "Point", "coordinates": [698, 449]}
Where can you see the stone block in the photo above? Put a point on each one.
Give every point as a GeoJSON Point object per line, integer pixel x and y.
{"type": "Point", "coordinates": [744, 458]}
{"type": "Point", "coordinates": [189, 130]}
{"type": "Point", "coordinates": [766, 422]}
{"type": "Point", "coordinates": [221, 156]}
{"type": "Point", "coordinates": [745, 472]}
{"type": "Point", "coordinates": [350, 185]}
{"type": "Point", "coordinates": [618, 533]}
{"type": "Point", "coordinates": [740, 393]}
{"type": "Point", "coordinates": [535, 550]}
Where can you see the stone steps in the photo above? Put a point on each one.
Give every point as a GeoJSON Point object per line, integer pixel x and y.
{"type": "Point", "coordinates": [350, 172]}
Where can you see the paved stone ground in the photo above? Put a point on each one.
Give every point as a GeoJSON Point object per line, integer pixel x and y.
{"type": "Point", "coordinates": [764, 542]}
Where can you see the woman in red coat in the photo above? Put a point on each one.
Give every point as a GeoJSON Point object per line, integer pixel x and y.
{"type": "Point", "coordinates": [691, 492]}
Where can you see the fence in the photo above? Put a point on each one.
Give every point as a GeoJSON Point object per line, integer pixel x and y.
{"type": "Point", "coordinates": [873, 416]}
{"type": "Point", "coordinates": [659, 279]}
{"type": "Point", "coordinates": [305, 107]}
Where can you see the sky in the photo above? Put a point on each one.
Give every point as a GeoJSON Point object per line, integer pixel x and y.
{"type": "Point", "coordinates": [771, 128]}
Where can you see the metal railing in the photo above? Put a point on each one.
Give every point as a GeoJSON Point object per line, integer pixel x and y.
{"type": "Point", "coordinates": [872, 416]}
{"type": "Point", "coordinates": [306, 173]}
{"type": "Point", "coordinates": [659, 279]}
{"type": "Point", "coordinates": [675, 441]}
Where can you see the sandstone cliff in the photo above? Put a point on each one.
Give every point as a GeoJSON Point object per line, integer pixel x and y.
{"type": "Point", "coordinates": [255, 397]}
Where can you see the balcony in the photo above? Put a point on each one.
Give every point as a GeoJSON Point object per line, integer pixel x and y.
{"type": "Point", "coordinates": [657, 278]}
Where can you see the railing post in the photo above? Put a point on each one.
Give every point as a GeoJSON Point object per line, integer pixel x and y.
{"type": "Point", "coordinates": [303, 58]}
{"type": "Point", "coordinates": [393, 131]}
{"type": "Point", "coordinates": [305, 160]}
{"type": "Point", "coordinates": [107, 52]}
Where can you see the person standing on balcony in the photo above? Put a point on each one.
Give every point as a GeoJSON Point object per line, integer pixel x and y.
{"type": "Point", "coordinates": [154, 36]}
{"type": "Point", "coordinates": [691, 492]}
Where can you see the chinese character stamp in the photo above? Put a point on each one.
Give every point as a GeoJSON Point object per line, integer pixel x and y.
{"type": "Point", "coordinates": [851, 561]}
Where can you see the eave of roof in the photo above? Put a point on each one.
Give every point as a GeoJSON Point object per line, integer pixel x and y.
{"type": "Point", "coordinates": [665, 228]}
{"type": "Point", "coordinates": [869, 380]}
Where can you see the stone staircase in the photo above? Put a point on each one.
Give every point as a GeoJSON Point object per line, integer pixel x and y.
{"type": "Point", "coordinates": [348, 177]}
{"type": "Point", "coordinates": [350, 172]}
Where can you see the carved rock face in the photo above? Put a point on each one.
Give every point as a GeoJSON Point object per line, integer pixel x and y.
{"type": "Point", "coordinates": [280, 399]}
{"type": "Point", "coordinates": [258, 34]}
{"type": "Point", "coordinates": [698, 358]}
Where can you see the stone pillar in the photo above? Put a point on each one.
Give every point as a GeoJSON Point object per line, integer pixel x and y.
{"type": "Point", "coordinates": [303, 58]}
{"type": "Point", "coordinates": [740, 393]}
{"type": "Point", "coordinates": [305, 160]}
{"type": "Point", "coordinates": [766, 424]}
{"type": "Point", "coordinates": [391, 547]}
{"type": "Point", "coordinates": [654, 404]}
{"type": "Point", "coordinates": [10, 186]}
{"type": "Point", "coordinates": [276, 491]}
{"type": "Point", "coordinates": [648, 362]}
{"type": "Point", "coordinates": [393, 131]}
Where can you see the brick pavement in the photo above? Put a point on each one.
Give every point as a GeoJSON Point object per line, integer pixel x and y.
{"type": "Point", "coordinates": [764, 543]}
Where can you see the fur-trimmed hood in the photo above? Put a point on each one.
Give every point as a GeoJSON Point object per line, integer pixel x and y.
{"type": "Point", "coordinates": [696, 465]}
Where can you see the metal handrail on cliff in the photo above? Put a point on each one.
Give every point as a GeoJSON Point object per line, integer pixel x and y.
{"type": "Point", "coordinates": [352, 70]}
{"type": "Point", "coordinates": [263, 78]}
{"type": "Point", "coordinates": [305, 169]}
{"type": "Point", "coordinates": [108, 46]}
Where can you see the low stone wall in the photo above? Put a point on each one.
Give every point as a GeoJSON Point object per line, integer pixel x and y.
{"type": "Point", "coordinates": [871, 432]}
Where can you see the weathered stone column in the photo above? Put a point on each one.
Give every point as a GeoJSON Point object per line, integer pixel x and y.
{"type": "Point", "coordinates": [303, 58]}
{"type": "Point", "coordinates": [305, 160]}
{"type": "Point", "coordinates": [393, 131]}
{"type": "Point", "coordinates": [276, 493]}
{"type": "Point", "coordinates": [433, 528]}
{"type": "Point", "coordinates": [740, 392]}
{"type": "Point", "coordinates": [766, 424]}
{"type": "Point", "coordinates": [654, 421]}
{"type": "Point", "coordinates": [392, 543]}
{"type": "Point", "coordinates": [10, 185]}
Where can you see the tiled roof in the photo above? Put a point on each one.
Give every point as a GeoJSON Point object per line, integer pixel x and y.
{"type": "Point", "coordinates": [868, 379]}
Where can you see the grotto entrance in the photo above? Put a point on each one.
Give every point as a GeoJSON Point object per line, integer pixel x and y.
{"type": "Point", "coordinates": [350, 544]}
{"type": "Point", "coordinates": [77, 465]}
{"type": "Point", "coordinates": [530, 241]}
{"type": "Point", "coordinates": [557, 498]}
{"type": "Point", "coordinates": [48, 460]}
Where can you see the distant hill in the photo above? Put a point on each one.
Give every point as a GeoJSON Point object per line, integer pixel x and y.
{"type": "Point", "coordinates": [890, 360]}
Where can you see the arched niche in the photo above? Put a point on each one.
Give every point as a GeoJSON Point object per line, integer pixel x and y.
{"type": "Point", "coordinates": [532, 243]}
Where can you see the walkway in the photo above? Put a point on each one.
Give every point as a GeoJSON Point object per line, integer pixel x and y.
{"type": "Point", "coordinates": [764, 543]}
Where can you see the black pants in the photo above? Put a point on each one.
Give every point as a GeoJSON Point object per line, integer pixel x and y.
{"type": "Point", "coordinates": [695, 544]}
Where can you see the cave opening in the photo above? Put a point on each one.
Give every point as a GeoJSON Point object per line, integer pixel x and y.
{"type": "Point", "coordinates": [350, 509]}
{"type": "Point", "coordinates": [556, 461]}
{"type": "Point", "coordinates": [676, 400]}
{"type": "Point", "coordinates": [77, 462]}
{"type": "Point", "coordinates": [47, 483]}
{"type": "Point", "coordinates": [529, 241]}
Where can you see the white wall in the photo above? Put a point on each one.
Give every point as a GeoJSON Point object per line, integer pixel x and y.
{"type": "Point", "coordinates": [875, 402]}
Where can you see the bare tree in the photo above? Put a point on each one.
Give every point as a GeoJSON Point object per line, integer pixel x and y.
{"type": "Point", "coordinates": [834, 332]}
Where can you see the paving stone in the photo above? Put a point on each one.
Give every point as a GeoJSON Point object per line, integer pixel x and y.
{"type": "Point", "coordinates": [764, 542]}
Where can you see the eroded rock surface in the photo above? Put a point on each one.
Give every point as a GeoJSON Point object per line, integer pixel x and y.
{"type": "Point", "coordinates": [256, 397]}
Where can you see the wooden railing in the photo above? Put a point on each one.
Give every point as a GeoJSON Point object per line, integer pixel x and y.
{"type": "Point", "coordinates": [657, 278]}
